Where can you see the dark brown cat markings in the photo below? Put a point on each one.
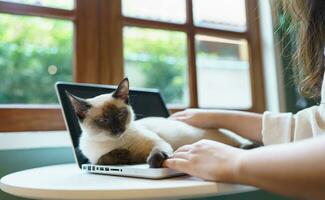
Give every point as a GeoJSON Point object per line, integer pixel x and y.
{"type": "Point", "coordinates": [80, 106]}
{"type": "Point", "coordinates": [113, 119]}
{"type": "Point", "coordinates": [156, 158]}
{"type": "Point", "coordinates": [115, 157]}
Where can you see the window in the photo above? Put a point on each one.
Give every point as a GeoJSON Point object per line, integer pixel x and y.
{"type": "Point", "coordinates": [220, 14]}
{"type": "Point", "coordinates": [224, 64]}
{"type": "Point", "coordinates": [34, 53]}
{"type": "Point", "coordinates": [185, 48]}
{"type": "Point", "coordinates": [155, 10]}
{"type": "Point", "coordinates": [66, 4]}
{"type": "Point", "coordinates": [158, 61]}
{"type": "Point", "coordinates": [201, 49]}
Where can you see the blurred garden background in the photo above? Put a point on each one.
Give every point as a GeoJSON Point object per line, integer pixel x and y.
{"type": "Point", "coordinates": [36, 52]}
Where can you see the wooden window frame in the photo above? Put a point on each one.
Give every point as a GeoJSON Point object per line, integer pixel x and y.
{"type": "Point", "coordinates": [98, 56]}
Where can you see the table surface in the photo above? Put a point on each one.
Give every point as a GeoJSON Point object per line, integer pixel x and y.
{"type": "Point", "coordinates": [69, 182]}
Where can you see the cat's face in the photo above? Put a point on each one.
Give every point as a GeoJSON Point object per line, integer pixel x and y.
{"type": "Point", "coordinates": [105, 116]}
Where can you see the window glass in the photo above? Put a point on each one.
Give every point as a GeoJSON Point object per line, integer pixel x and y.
{"type": "Point", "coordinates": [63, 4]}
{"type": "Point", "coordinates": [223, 73]}
{"type": "Point", "coordinates": [157, 59]}
{"type": "Point", "coordinates": [34, 53]}
{"type": "Point", "coordinates": [168, 10]}
{"type": "Point", "coordinates": [220, 14]}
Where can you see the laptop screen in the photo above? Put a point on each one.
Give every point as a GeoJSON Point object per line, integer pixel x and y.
{"type": "Point", "coordinates": [145, 103]}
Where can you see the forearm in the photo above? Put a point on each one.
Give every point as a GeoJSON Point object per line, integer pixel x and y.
{"type": "Point", "coordinates": [246, 124]}
{"type": "Point", "coordinates": [296, 169]}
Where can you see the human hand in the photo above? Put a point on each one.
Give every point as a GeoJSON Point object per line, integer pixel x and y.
{"type": "Point", "coordinates": [194, 117]}
{"type": "Point", "coordinates": [208, 160]}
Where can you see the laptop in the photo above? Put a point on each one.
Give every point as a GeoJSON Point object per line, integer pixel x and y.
{"type": "Point", "coordinates": [145, 103]}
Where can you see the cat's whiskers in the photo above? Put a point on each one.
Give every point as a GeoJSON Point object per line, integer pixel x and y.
{"type": "Point", "coordinates": [122, 138]}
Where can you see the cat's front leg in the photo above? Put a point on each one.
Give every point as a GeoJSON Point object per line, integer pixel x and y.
{"type": "Point", "coordinates": [159, 153]}
{"type": "Point", "coordinates": [116, 156]}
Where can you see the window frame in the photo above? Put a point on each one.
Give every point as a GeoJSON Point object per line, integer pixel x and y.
{"type": "Point", "coordinates": [98, 54]}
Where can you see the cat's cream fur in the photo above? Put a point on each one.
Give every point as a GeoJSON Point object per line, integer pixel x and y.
{"type": "Point", "coordinates": [142, 138]}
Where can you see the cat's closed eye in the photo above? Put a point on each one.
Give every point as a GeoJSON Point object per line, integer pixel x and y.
{"type": "Point", "coordinates": [102, 121]}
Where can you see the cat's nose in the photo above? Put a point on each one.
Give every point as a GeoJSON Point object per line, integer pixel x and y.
{"type": "Point", "coordinates": [116, 131]}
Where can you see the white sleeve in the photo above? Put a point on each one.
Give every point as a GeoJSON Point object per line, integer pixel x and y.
{"type": "Point", "coordinates": [277, 128]}
{"type": "Point", "coordinates": [285, 127]}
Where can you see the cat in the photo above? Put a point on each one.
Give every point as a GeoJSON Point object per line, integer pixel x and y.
{"type": "Point", "coordinates": [110, 135]}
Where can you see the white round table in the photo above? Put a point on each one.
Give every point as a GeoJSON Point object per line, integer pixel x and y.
{"type": "Point", "coordinates": [68, 182]}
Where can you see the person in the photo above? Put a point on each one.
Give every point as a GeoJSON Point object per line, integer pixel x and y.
{"type": "Point", "coordinates": [292, 160]}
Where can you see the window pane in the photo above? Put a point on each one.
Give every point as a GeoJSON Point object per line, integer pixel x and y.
{"type": "Point", "coordinates": [220, 14]}
{"type": "Point", "coordinates": [223, 73]}
{"type": "Point", "coordinates": [157, 59]}
{"type": "Point", "coordinates": [34, 54]}
{"type": "Point", "coordinates": [167, 10]}
{"type": "Point", "coordinates": [63, 4]}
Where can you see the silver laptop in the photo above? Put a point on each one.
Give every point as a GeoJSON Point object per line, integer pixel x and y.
{"type": "Point", "coordinates": [145, 102]}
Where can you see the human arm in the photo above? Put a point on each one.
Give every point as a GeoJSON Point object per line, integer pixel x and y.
{"type": "Point", "coordinates": [296, 169]}
{"type": "Point", "coordinates": [267, 128]}
{"type": "Point", "coordinates": [246, 124]}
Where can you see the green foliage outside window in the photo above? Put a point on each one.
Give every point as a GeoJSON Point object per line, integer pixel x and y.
{"type": "Point", "coordinates": [28, 47]}
{"type": "Point", "coordinates": [157, 59]}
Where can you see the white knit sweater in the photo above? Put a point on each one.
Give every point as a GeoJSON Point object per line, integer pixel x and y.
{"type": "Point", "coordinates": [286, 127]}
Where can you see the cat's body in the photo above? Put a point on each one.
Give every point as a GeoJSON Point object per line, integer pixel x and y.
{"type": "Point", "coordinates": [148, 133]}
{"type": "Point", "coordinates": [111, 136]}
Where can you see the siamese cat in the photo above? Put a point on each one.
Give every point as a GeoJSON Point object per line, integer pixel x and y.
{"type": "Point", "coordinates": [110, 135]}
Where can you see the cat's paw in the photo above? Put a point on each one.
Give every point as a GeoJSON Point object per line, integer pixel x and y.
{"type": "Point", "coordinates": [156, 158]}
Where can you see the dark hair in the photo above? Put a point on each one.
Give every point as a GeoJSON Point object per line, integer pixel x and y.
{"type": "Point", "coordinates": [308, 19]}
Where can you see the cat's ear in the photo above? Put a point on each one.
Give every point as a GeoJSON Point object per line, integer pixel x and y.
{"type": "Point", "coordinates": [80, 105]}
{"type": "Point", "coordinates": [122, 91]}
